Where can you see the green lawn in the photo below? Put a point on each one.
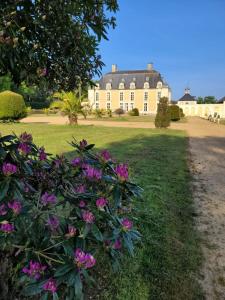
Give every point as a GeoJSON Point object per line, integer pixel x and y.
{"type": "Point", "coordinates": [167, 261]}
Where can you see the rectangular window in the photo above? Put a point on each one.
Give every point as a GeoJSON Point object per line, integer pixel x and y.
{"type": "Point", "coordinates": [121, 96]}
{"type": "Point", "coordinates": [108, 96]}
{"type": "Point", "coordinates": [97, 97]}
{"type": "Point", "coordinates": [97, 105]}
{"type": "Point", "coordinates": [145, 107]}
{"type": "Point", "coordinates": [108, 105]}
{"type": "Point", "coordinates": [121, 105]}
{"type": "Point", "coordinates": [159, 95]}
{"type": "Point", "coordinates": [131, 106]}
{"type": "Point", "coordinates": [132, 96]}
{"type": "Point", "coordinates": [145, 96]}
{"type": "Point", "coordinates": [126, 107]}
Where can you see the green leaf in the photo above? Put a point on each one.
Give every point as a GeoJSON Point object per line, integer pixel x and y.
{"type": "Point", "coordinates": [62, 270]}
{"type": "Point", "coordinates": [4, 187]}
{"type": "Point", "coordinates": [44, 296]}
{"type": "Point", "coordinates": [78, 287]}
{"type": "Point", "coordinates": [33, 289]}
{"type": "Point", "coordinates": [97, 233]}
{"type": "Point", "coordinates": [55, 296]}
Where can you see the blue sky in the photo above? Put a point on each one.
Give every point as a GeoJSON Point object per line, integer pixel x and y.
{"type": "Point", "coordinates": [185, 39]}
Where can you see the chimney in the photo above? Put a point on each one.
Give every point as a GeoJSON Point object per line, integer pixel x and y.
{"type": "Point", "coordinates": [114, 68]}
{"type": "Point", "coordinates": [150, 67]}
{"type": "Point", "coordinates": [187, 91]}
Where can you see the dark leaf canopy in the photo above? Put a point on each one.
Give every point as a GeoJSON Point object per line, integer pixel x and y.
{"type": "Point", "coordinates": [54, 41]}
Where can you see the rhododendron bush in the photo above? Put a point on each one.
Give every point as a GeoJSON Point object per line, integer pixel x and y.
{"type": "Point", "coordinates": [57, 216]}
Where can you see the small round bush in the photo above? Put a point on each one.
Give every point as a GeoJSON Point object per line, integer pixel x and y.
{"type": "Point", "coordinates": [134, 112]}
{"type": "Point", "coordinates": [174, 113]}
{"type": "Point", "coordinates": [12, 106]}
{"type": "Point", "coordinates": [119, 111]}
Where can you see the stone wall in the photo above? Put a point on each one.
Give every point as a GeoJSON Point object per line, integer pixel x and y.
{"type": "Point", "coordinates": [202, 110]}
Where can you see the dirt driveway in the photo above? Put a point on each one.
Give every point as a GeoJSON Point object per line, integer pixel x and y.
{"type": "Point", "coordinates": [207, 149]}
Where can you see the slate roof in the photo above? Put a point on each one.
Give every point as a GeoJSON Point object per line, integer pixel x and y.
{"type": "Point", "coordinates": [221, 100]}
{"type": "Point", "coordinates": [187, 97]}
{"type": "Point", "coordinates": [137, 76]}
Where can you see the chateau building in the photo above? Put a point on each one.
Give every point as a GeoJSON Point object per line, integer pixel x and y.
{"type": "Point", "coordinates": [140, 89]}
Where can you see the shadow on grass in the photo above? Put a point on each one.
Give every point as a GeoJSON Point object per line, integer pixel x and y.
{"type": "Point", "coordinates": [166, 262]}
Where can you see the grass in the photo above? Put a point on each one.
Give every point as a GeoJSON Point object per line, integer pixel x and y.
{"type": "Point", "coordinates": [166, 262]}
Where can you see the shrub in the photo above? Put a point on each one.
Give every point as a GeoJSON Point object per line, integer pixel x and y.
{"type": "Point", "coordinates": [39, 105]}
{"type": "Point", "coordinates": [119, 111]}
{"type": "Point", "coordinates": [12, 106]}
{"type": "Point", "coordinates": [58, 216]}
{"type": "Point", "coordinates": [174, 112]}
{"type": "Point", "coordinates": [28, 110]}
{"type": "Point", "coordinates": [162, 119]}
{"type": "Point", "coordinates": [109, 113]}
{"type": "Point", "coordinates": [134, 112]}
{"type": "Point", "coordinates": [182, 115]}
{"type": "Point", "coordinates": [99, 113]}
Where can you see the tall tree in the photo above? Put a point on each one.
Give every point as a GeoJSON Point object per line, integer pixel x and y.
{"type": "Point", "coordinates": [54, 40]}
{"type": "Point", "coordinates": [200, 100]}
{"type": "Point", "coordinates": [209, 99]}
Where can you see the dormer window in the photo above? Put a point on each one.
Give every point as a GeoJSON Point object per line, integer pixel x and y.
{"type": "Point", "coordinates": [132, 85]}
{"type": "Point", "coordinates": [146, 85]}
{"type": "Point", "coordinates": [159, 85]}
{"type": "Point", "coordinates": [108, 86]}
{"type": "Point", "coordinates": [97, 86]}
{"type": "Point", "coordinates": [121, 86]}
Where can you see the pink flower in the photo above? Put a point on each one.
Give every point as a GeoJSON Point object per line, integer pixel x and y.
{"type": "Point", "coordinates": [88, 217]}
{"type": "Point", "coordinates": [35, 270]}
{"type": "Point", "coordinates": [83, 144]}
{"type": "Point", "coordinates": [50, 285]}
{"type": "Point", "coordinates": [82, 204]}
{"type": "Point", "coordinates": [127, 224]}
{"type": "Point", "coordinates": [76, 162]}
{"type": "Point", "coordinates": [92, 173]}
{"type": "Point", "coordinates": [47, 198]}
{"type": "Point", "coordinates": [7, 227]}
{"type": "Point", "coordinates": [105, 155]}
{"type": "Point", "coordinates": [81, 189]}
{"type": "Point", "coordinates": [16, 206]}
{"type": "Point", "coordinates": [71, 231]}
{"type": "Point", "coordinates": [24, 148]}
{"type": "Point", "coordinates": [122, 172]}
{"type": "Point", "coordinates": [42, 154]}
{"type": "Point", "coordinates": [117, 245]}
{"type": "Point", "coordinates": [26, 137]}
{"type": "Point", "coordinates": [53, 223]}
{"type": "Point", "coordinates": [9, 169]}
{"type": "Point", "coordinates": [101, 203]}
{"type": "Point", "coordinates": [84, 260]}
{"type": "Point", "coordinates": [3, 210]}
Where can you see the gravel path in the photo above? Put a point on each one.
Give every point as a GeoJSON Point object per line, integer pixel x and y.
{"type": "Point", "coordinates": [207, 149]}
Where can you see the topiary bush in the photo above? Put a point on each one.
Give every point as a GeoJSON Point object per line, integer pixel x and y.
{"type": "Point", "coordinates": [162, 119]}
{"type": "Point", "coordinates": [174, 112]}
{"type": "Point", "coordinates": [119, 111]}
{"type": "Point", "coordinates": [134, 112]}
{"type": "Point", "coordinates": [12, 106]}
{"type": "Point", "coordinates": [59, 218]}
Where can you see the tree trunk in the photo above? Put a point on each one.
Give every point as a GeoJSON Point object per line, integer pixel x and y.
{"type": "Point", "coordinates": [72, 120]}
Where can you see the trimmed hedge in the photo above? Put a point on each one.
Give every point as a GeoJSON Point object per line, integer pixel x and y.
{"type": "Point", "coordinates": [12, 106]}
